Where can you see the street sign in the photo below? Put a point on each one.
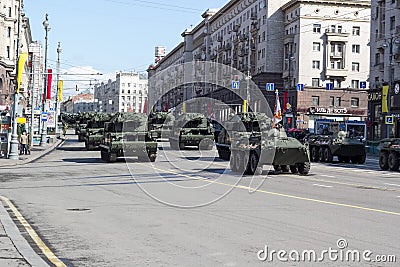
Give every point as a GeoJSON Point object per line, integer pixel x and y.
{"type": "Point", "coordinates": [44, 116]}
{"type": "Point", "coordinates": [300, 87]}
{"type": "Point", "coordinates": [235, 84]}
{"type": "Point", "coordinates": [270, 87]}
{"type": "Point", "coordinates": [329, 86]}
{"type": "Point", "coordinates": [363, 85]}
{"type": "Point", "coordinates": [389, 119]}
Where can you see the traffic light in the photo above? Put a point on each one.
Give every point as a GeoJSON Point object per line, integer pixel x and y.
{"type": "Point", "coordinates": [289, 121]}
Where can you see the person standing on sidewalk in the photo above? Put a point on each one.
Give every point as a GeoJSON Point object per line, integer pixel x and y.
{"type": "Point", "coordinates": [23, 140]}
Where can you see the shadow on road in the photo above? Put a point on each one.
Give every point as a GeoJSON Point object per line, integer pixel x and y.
{"type": "Point", "coordinates": [85, 160]}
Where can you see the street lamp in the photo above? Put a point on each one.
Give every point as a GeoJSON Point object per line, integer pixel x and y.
{"type": "Point", "coordinates": [288, 86]}
{"type": "Point", "coordinates": [58, 87]}
{"type": "Point", "coordinates": [14, 136]}
{"type": "Point", "coordinates": [43, 136]}
{"type": "Point", "coordinates": [394, 40]}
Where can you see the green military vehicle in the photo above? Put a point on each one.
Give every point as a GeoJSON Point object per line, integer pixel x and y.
{"type": "Point", "coordinates": [254, 142]}
{"type": "Point", "coordinates": [161, 123]}
{"type": "Point", "coordinates": [333, 142]}
{"type": "Point", "coordinates": [94, 130]}
{"type": "Point", "coordinates": [192, 129]}
{"type": "Point", "coordinates": [389, 154]}
{"type": "Point", "coordinates": [81, 123]}
{"type": "Point", "coordinates": [126, 135]}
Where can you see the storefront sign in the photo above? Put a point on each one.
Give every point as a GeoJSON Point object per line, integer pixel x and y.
{"type": "Point", "coordinates": [375, 96]}
{"type": "Point", "coordinates": [320, 110]}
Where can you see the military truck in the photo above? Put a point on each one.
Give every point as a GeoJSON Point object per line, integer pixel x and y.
{"type": "Point", "coordinates": [81, 123]}
{"type": "Point", "coordinates": [192, 129]}
{"type": "Point", "coordinates": [161, 123]}
{"type": "Point", "coordinates": [333, 142]}
{"type": "Point", "coordinates": [93, 133]}
{"type": "Point", "coordinates": [260, 143]}
{"type": "Point", "coordinates": [389, 154]}
{"type": "Point", "coordinates": [126, 135]}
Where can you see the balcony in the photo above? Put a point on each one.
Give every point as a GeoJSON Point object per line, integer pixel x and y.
{"type": "Point", "coordinates": [334, 36]}
{"type": "Point", "coordinates": [336, 73]}
{"type": "Point", "coordinates": [336, 54]}
{"type": "Point", "coordinates": [289, 38]}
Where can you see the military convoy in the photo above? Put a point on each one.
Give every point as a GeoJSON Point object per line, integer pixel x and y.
{"type": "Point", "coordinates": [126, 135]}
{"type": "Point", "coordinates": [333, 142]}
{"type": "Point", "coordinates": [389, 154]}
{"type": "Point", "coordinates": [251, 141]}
{"type": "Point", "coordinates": [192, 129]}
{"type": "Point", "coordinates": [93, 133]}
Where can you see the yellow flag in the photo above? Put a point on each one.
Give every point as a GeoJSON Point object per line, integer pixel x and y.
{"type": "Point", "coordinates": [385, 90]}
{"type": "Point", "coordinates": [244, 106]}
{"type": "Point", "coordinates": [21, 63]}
{"type": "Point", "coordinates": [184, 107]}
{"type": "Point", "coordinates": [60, 90]}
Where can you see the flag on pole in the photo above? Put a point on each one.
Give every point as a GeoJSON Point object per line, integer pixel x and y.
{"type": "Point", "coordinates": [49, 80]}
{"type": "Point", "coordinates": [60, 90]}
{"type": "Point", "coordinates": [145, 106]}
{"type": "Point", "coordinates": [277, 109]}
{"type": "Point", "coordinates": [21, 63]}
{"type": "Point", "coordinates": [385, 91]}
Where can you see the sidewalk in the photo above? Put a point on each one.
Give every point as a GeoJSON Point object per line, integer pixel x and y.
{"type": "Point", "coordinates": [14, 248]}
{"type": "Point", "coordinates": [36, 152]}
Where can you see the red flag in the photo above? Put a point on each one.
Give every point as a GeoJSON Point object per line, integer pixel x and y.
{"type": "Point", "coordinates": [166, 107]}
{"type": "Point", "coordinates": [49, 79]}
{"type": "Point", "coordinates": [145, 106]}
{"type": "Point", "coordinates": [285, 101]}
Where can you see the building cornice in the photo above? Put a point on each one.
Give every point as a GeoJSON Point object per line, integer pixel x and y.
{"type": "Point", "coordinates": [358, 3]}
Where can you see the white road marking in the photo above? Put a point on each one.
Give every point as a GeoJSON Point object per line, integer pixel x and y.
{"type": "Point", "coordinates": [321, 185]}
{"type": "Point", "coordinates": [329, 176]}
{"type": "Point", "coordinates": [393, 184]}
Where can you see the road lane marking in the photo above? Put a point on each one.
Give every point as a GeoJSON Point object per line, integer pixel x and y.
{"type": "Point", "coordinates": [393, 184]}
{"type": "Point", "coordinates": [321, 185]}
{"type": "Point", "coordinates": [329, 176]}
{"type": "Point", "coordinates": [35, 237]}
{"type": "Point", "coordinates": [283, 195]}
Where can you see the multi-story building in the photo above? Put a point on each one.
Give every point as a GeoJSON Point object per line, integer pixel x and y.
{"type": "Point", "coordinates": [326, 46]}
{"type": "Point", "coordinates": [286, 43]}
{"type": "Point", "coordinates": [12, 20]}
{"type": "Point", "coordinates": [79, 103]}
{"type": "Point", "coordinates": [385, 69]}
{"type": "Point", "coordinates": [128, 93]}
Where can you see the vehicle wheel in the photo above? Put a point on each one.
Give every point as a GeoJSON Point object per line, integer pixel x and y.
{"type": "Point", "coordinates": [383, 161]}
{"type": "Point", "coordinates": [293, 169]}
{"type": "Point", "coordinates": [285, 168]}
{"type": "Point", "coordinates": [304, 168]}
{"type": "Point", "coordinates": [152, 157]}
{"type": "Point", "coordinates": [106, 156]}
{"type": "Point", "coordinates": [220, 154]}
{"type": "Point", "coordinates": [314, 154]}
{"type": "Point", "coordinates": [328, 155]}
{"type": "Point", "coordinates": [340, 159]}
{"type": "Point", "coordinates": [361, 159]}
{"type": "Point", "coordinates": [233, 161]}
{"type": "Point", "coordinates": [346, 159]}
{"type": "Point", "coordinates": [86, 145]}
{"type": "Point", "coordinates": [393, 161]}
{"type": "Point", "coordinates": [321, 154]}
{"type": "Point", "coordinates": [253, 164]}
{"type": "Point", "coordinates": [277, 168]}
{"type": "Point", "coordinates": [181, 146]}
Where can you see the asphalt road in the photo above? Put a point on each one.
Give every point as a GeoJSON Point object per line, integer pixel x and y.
{"type": "Point", "coordinates": [187, 209]}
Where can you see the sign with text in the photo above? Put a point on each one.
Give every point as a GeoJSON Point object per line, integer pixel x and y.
{"type": "Point", "coordinates": [270, 87]}
{"type": "Point", "coordinates": [389, 120]}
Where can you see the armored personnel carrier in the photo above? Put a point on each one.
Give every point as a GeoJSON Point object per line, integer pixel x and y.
{"type": "Point", "coordinates": [389, 154]}
{"type": "Point", "coordinates": [325, 146]}
{"type": "Point", "coordinates": [94, 130]}
{"type": "Point", "coordinates": [192, 129]}
{"type": "Point", "coordinates": [161, 123]}
{"type": "Point", "coordinates": [249, 123]}
{"type": "Point", "coordinates": [81, 123]}
{"type": "Point", "coordinates": [267, 145]}
{"type": "Point", "coordinates": [126, 135]}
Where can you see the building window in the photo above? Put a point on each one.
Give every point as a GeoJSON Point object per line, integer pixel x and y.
{"type": "Point", "coordinates": [355, 102]}
{"type": "Point", "coordinates": [339, 29]}
{"type": "Point", "coordinates": [331, 101]}
{"type": "Point", "coordinates": [9, 12]}
{"type": "Point", "coordinates": [377, 58]}
{"type": "Point", "coordinates": [129, 84]}
{"type": "Point", "coordinates": [317, 28]}
{"type": "Point", "coordinates": [392, 22]}
{"type": "Point", "coordinates": [355, 66]}
{"type": "Point", "coordinates": [9, 32]}
{"type": "Point", "coordinates": [315, 64]}
{"type": "Point", "coordinates": [315, 82]}
{"type": "Point", "coordinates": [356, 49]}
{"type": "Point", "coordinates": [315, 100]}
{"type": "Point", "coordinates": [316, 46]}
{"type": "Point", "coordinates": [123, 85]}
{"type": "Point", "coordinates": [355, 83]}
{"type": "Point", "coordinates": [338, 102]}
{"type": "Point", "coordinates": [356, 31]}
{"type": "Point", "coordinates": [8, 52]}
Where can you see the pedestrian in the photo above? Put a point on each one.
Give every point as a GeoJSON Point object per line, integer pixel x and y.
{"type": "Point", "coordinates": [23, 140]}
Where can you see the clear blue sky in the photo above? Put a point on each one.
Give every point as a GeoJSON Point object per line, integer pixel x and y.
{"type": "Point", "coordinates": [112, 35]}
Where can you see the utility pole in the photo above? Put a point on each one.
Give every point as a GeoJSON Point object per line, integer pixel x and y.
{"type": "Point", "coordinates": [43, 137]}
{"type": "Point", "coordinates": [58, 80]}
{"type": "Point", "coordinates": [14, 153]}
{"type": "Point", "coordinates": [32, 98]}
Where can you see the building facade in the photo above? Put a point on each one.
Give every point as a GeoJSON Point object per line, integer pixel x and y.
{"type": "Point", "coordinates": [128, 93]}
{"type": "Point", "coordinates": [285, 43]}
{"type": "Point", "coordinates": [385, 69]}
{"type": "Point", "coordinates": [79, 103]}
